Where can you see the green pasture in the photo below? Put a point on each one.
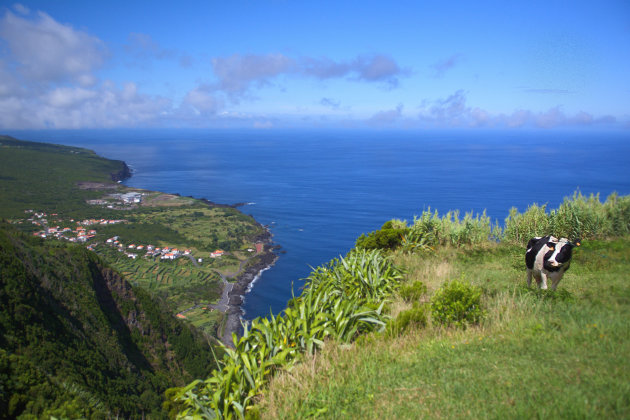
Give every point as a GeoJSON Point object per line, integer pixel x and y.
{"type": "Point", "coordinates": [537, 354]}
{"type": "Point", "coordinates": [206, 228]}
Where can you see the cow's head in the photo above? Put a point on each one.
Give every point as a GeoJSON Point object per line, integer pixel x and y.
{"type": "Point", "coordinates": [561, 252]}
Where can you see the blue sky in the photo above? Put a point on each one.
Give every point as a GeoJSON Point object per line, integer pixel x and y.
{"type": "Point", "coordinates": [282, 64]}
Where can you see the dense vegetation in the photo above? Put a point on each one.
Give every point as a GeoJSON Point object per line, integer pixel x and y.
{"type": "Point", "coordinates": [577, 217]}
{"type": "Point", "coordinates": [458, 314]}
{"type": "Point", "coordinates": [78, 340]}
{"type": "Point", "coordinates": [50, 182]}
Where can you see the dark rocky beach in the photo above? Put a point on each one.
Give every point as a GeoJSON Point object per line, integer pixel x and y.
{"type": "Point", "coordinates": [239, 288]}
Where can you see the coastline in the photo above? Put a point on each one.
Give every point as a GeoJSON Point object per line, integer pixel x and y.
{"type": "Point", "coordinates": [244, 280]}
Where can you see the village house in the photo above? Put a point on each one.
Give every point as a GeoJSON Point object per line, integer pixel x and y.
{"type": "Point", "coordinates": [218, 253]}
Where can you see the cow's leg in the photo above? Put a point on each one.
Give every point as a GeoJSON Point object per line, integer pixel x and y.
{"type": "Point", "coordinates": [554, 282]}
{"type": "Point", "coordinates": [543, 278]}
{"type": "Point", "coordinates": [529, 278]}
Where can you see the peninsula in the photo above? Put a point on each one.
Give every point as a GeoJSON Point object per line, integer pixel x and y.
{"type": "Point", "coordinates": [196, 255]}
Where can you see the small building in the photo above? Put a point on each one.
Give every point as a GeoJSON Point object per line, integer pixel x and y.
{"type": "Point", "coordinates": [218, 253]}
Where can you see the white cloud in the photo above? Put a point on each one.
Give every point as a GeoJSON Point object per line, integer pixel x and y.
{"type": "Point", "coordinates": [237, 72]}
{"type": "Point", "coordinates": [48, 51]}
{"type": "Point", "coordinates": [386, 117]}
{"type": "Point", "coordinates": [330, 103]}
{"type": "Point", "coordinates": [263, 125]}
{"type": "Point", "coordinates": [444, 65]}
{"type": "Point", "coordinates": [202, 101]}
{"type": "Point", "coordinates": [65, 97]}
{"type": "Point", "coordinates": [21, 9]}
{"type": "Point", "coordinates": [454, 112]}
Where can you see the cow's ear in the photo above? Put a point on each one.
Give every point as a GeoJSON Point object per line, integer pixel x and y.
{"type": "Point", "coordinates": [551, 245]}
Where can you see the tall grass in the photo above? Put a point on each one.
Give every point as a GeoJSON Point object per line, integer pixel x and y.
{"type": "Point", "coordinates": [340, 301]}
{"type": "Point", "coordinates": [580, 216]}
{"type": "Point", "coordinates": [430, 230]}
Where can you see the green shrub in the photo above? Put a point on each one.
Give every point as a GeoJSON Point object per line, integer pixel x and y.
{"type": "Point", "coordinates": [416, 316]}
{"type": "Point", "coordinates": [457, 303]}
{"type": "Point", "coordinates": [381, 239]}
{"type": "Point", "coordinates": [413, 292]}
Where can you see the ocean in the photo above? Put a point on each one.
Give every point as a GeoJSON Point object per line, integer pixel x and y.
{"type": "Point", "coordinates": [319, 190]}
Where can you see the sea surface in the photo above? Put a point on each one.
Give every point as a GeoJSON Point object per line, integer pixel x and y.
{"type": "Point", "coordinates": [319, 190]}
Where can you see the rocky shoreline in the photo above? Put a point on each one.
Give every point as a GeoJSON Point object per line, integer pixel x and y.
{"type": "Point", "coordinates": [232, 323]}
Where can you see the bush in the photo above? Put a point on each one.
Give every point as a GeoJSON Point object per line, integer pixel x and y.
{"type": "Point", "coordinates": [416, 316]}
{"type": "Point", "coordinates": [457, 303]}
{"type": "Point", "coordinates": [413, 292]}
{"type": "Point", "coordinates": [381, 239]}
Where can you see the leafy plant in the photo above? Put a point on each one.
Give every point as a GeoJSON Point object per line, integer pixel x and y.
{"type": "Point", "coordinates": [337, 303]}
{"type": "Point", "coordinates": [458, 304]}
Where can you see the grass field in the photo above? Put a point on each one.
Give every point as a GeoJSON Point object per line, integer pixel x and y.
{"type": "Point", "coordinates": [563, 354]}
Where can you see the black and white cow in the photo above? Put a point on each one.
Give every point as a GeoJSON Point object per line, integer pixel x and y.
{"type": "Point", "coordinates": [548, 257]}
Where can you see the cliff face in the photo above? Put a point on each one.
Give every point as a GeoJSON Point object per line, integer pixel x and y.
{"type": "Point", "coordinates": [122, 174]}
{"type": "Point", "coordinates": [76, 339]}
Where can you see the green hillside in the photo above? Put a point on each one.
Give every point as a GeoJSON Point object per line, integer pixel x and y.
{"type": "Point", "coordinates": [436, 321]}
{"type": "Point", "coordinates": [45, 176]}
{"type": "Point", "coordinates": [77, 340]}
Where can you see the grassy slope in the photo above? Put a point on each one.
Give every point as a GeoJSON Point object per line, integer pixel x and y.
{"type": "Point", "coordinates": [44, 176]}
{"type": "Point", "coordinates": [547, 355]}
